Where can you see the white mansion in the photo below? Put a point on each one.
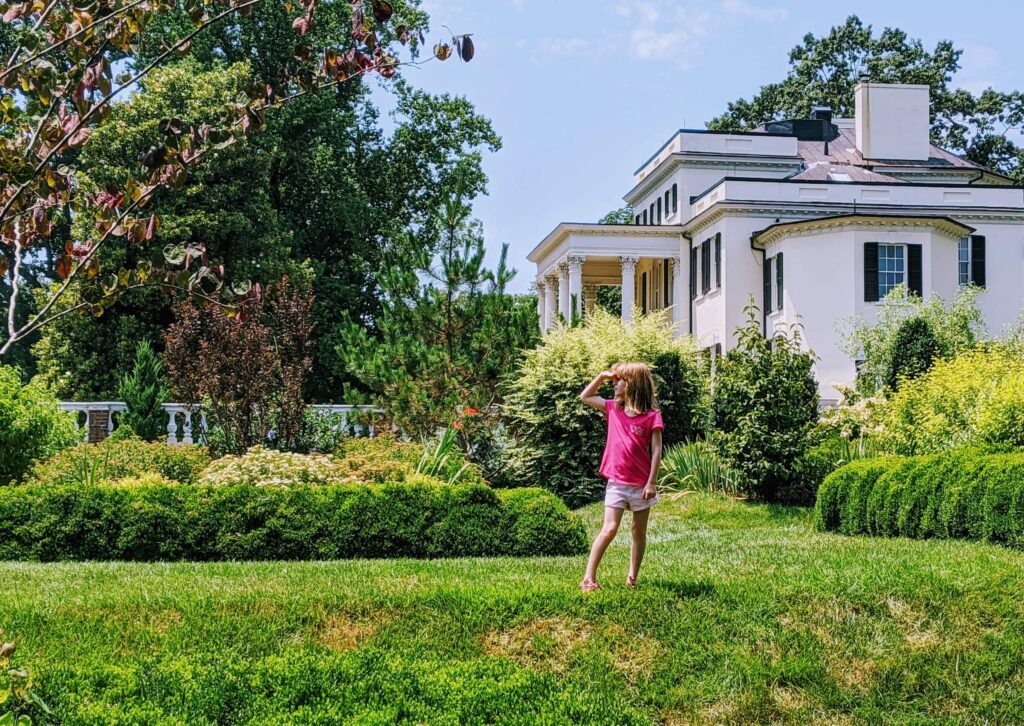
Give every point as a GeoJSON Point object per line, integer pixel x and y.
{"type": "Point", "coordinates": [854, 207]}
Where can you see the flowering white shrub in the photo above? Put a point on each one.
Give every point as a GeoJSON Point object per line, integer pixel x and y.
{"type": "Point", "coordinates": [268, 468]}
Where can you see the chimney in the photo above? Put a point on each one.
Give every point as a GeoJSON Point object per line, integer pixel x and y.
{"type": "Point", "coordinates": [891, 121]}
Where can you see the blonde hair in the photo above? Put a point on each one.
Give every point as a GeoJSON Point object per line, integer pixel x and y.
{"type": "Point", "coordinates": [639, 394]}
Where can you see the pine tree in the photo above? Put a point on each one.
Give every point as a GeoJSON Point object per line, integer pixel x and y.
{"type": "Point", "coordinates": [144, 391]}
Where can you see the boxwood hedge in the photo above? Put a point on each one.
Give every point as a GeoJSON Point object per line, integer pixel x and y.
{"type": "Point", "coordinates": [201, 523]}
{"type": "Point", "coordinates": [958, 494]}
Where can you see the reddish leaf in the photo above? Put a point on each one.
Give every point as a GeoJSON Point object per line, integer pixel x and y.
{"type": "Point", "coordinates": [382, 10]}
{"type": "Point", "coordinates": [63, 266]}
{"type": "Point", "coordinates": [466, 48]}
{"type": "Point", "coordinates": [443, 51]}
{"type": "Point", "coordinates": [3, 266]}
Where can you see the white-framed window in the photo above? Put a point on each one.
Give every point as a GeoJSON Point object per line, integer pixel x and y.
{"type": "Point", "coordinates": [892, 268]}
{"type": "Point", "coordinates": [963, 259]}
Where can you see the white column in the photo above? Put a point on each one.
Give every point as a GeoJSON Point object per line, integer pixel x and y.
{"type": "Point", "coordinates": [680, 305]}
{"type": "Point", "coordinates": [563, 291]}
{"type": "Point", "coordinates": [541, 294]}
{"type": "Point", "coordinates": [628, 287]}
{"type": "Point", "coordinates": [549, 301]}
{"type": "Point", "coordinates": [576, 285]}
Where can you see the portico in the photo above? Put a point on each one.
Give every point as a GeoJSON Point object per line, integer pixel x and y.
{"type": "Point", "coordinates": [646, 262]}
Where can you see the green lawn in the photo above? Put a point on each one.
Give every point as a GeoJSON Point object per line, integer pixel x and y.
{"type": "Point", "coordinates": [744, 614]}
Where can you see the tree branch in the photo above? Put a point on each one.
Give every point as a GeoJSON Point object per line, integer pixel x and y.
{"type": "Point", "coordinates": [106, 99]}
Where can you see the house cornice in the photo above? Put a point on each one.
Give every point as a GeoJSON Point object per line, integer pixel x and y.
{"type": "Point", "coordinates": [811, 210]}
{"type": "Point", "coordinates": [695, 198]}
{"type": "Point", "coordinates": [560, 233]}
{"type": "Point", "coordinates": [941, 224]}
{"type": "Point", "coordinates": [709, 160]}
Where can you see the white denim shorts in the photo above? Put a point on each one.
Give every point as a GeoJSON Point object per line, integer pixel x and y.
{"type": "Point", "coordinates": [624, 496]}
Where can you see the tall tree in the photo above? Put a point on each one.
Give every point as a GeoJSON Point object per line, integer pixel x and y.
{"type": "Point", "coordinates": [64, 71]}
{"type": "Point", "coordinates": [448, 332]}
{"type": "Point", "coordinates": [824, 70]}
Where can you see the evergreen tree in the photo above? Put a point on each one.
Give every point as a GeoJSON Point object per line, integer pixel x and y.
{"type": "Point", "coordinates": [144, 391]}
{"type": "Point", "coordinates": [447, 334]}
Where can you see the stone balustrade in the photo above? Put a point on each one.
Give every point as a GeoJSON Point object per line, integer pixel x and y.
{"type": "Point", "coordinates": [186, 424]}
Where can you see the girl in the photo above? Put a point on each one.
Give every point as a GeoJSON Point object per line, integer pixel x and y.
{"type": "Point", "coordinates": [632, 455]}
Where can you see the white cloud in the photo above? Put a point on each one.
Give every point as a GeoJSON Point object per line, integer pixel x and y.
{"type": "Point", "coordinates": [517, 5]}
{"type": "Point", "coordinates": [664, 30]}
{"type": "Point", "coordinates": [549, 49]}
{"type": "Point", "coordinates": [743, 9]}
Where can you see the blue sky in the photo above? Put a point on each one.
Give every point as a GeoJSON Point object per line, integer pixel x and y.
{"type": "Point", "coordinates": [583, 91]}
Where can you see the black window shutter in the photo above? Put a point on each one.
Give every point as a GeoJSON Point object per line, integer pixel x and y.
{"type": "Point", "coordinates": [778, 281]}
{"type": "Point", "coordinates": [870, 272]}
{"type": "Point", "coordinates": [643, 293]}
{"type": "Point", "coordinates": [665, 283]}
{"type": "Point", "coordinates": [659, 210]}
{"type": "Point", "coordinates": [675, 197]}
{"type": "Point", "coordinates": [978, 259]}
{"type": "Point", "coordinates": [914, 284]}
{"type": "Point", "coordinates": [718, 259]}
{"type": "Point", "coordinates": [693, 273]}
{"type": "Point", "coordinates": [767, 287]}
{"type": "Point", "coordinates": [705, 265]}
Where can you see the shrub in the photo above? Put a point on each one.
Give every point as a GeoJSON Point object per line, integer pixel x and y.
{"type": "Point", "coordinates": [825, 457]}
{"type": "Point", "coordinates": [914, 349]}
{"type": "Point", "coordinates": [958, 494]}
{"type": "Point", "coordinates": [540, 520]}
{"type": "Point", "coordinates": [92, 463]}
{"type": "Point", "coordinates": [145, 393]}
{"type": "Point", "coordinates": [260, 467]}
{"type": "Point", "coordinates": [374, 459]}
{"type": "Point", "coordinates": [32, 426]}
{"type": "Point", "coordinates": [698, 465]}
{"type": "Point", "coordinates": [764, 401]}
{"type": "Point", "coordinates": [555, 441]}
{"type": "Point", "coordinates": [957, 327]}
{"type": "Point", "coordinates": [974, 399]}
{"type": "Point", "coordinates": [199, 523]}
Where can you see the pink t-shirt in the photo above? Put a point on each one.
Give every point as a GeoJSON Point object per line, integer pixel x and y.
{"type": "Point", "coordinates": [627, 451]}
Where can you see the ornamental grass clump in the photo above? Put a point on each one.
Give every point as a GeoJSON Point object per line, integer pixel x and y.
{"type": "Point", "coordinates": [110, 459]}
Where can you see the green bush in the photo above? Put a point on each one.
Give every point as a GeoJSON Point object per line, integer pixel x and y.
{"type": "Point", "coordinates": [540, 520]}
{"type": "Point", "coordinates": [31, 425]}
{"type": "Point", "coordinates": [958, 494]}
{"type": "Point", "coordinates": [145, 393]}
{"type": "Point", "coordinates": [914, 348]}
{"type": "Point", "coordinates": [825, 457]}
{"type": "Point", "coordinates": [765, 401]}
{"type": "Point", "coordinates": [878, 342]}
{"type": "Point", "coordinates": [974, 399]}
{"type": "Point", "coordinates": [259, 467]}
{"type": "Point", "coordinates": [555, 441]}
{"type": "Point", "coordinates": [383, 458]}
{"type": "Point", "coordinates": [201, 523]}
{"type": "Point", "coordinates": [117, 459]}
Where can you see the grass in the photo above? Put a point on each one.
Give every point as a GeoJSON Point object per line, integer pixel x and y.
{"type": "Point", "coordinates": [744, 614]}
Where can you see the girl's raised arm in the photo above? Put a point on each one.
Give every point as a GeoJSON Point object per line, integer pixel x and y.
{"type": "Point", "coordinates": [589, 394]}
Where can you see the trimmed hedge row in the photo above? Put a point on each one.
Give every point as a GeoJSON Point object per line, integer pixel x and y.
{"type": "Point", "coordinates": [202, 523]}
{"type": "Point", "coordinates": [959, 494]}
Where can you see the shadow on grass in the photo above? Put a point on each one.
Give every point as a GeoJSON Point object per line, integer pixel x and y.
{"type": "Point", "coordinates": [682, 589]}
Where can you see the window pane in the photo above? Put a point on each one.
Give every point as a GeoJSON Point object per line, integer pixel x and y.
{"type": "Point", "coordinates": [891, 269]}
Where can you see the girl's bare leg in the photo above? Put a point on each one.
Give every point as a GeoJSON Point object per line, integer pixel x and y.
{"type": "Point", "coordinates": [639, 544]}
{"type": "Point", "coordinates": [612, 518]}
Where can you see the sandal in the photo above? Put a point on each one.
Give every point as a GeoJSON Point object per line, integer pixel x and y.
{"type": "Point", "coordinates": [589, 586]}
{"type": "Point", "coordinates": [630, 582]}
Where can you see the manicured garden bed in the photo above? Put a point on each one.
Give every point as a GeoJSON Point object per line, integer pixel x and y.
{"type": "Point", "coordinates": [745, 614]}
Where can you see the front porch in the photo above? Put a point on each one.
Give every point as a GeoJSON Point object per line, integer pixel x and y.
{"type": "Point", "coordinates": [644, 261]}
